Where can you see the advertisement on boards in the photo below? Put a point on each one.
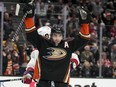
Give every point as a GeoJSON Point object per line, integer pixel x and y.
{"type": "Point", "coordinates": [74, 82]}
{"type": "Point", "coordinates": [86, 82]}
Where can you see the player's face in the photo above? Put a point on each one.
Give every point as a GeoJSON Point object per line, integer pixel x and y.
{"type": "Point", "coordinates": [57, 37]}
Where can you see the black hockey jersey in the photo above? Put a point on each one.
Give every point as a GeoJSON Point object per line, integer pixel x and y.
{"type": "Point", "coordinates": [55, 60]}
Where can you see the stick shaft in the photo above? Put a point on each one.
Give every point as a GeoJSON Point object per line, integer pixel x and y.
{"type": "Point", "coordinates": [8, 80]}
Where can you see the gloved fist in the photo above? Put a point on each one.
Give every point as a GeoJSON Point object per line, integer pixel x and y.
{"type": "Point", "coordinates": [27, 76]}
{"type": "Point", "coordinates": [29, 9]}
{"type": "Point", "coordinates": [27, 79]}
{"type": "Point", "coordinates": [84, 16]}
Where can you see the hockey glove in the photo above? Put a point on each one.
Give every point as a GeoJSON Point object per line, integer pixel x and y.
{"type": "Point", "coordinates": [29, 9]}
{"type": "Point", "coordinates": [73, 65]}
{"type": "Point", "coordinates": [84, 16]}
{"type": "Point", "coordinates": [27, 76]}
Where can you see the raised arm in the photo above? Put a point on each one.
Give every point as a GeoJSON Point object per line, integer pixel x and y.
{"type": "Point", "coordinates": [84, 35]}
{"type": "Point", "coordinates": [84, 19]}
{"type": "Point", "coordinates": [31, 32]}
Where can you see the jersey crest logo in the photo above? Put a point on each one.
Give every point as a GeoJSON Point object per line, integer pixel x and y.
{"type": "Point", "coordinates": [55, 53]}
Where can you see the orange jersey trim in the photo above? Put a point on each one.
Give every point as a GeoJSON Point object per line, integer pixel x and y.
{"type": "Point", "coordinates": [84, 31]}
{"type": "Point", "coordinates": [29, 23]}
{"type": "Point", "coordinates": [36, 71]}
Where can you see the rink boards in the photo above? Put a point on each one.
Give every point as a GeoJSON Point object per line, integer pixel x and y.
{"type": "Point", "coordinates": [74, 82]}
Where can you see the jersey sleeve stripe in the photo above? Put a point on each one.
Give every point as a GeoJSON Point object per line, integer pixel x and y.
{"type": "Point", "coordinates": [75, 61]}
{"type": "Point", "coordinates": [84, 31]}
{"type": "Point", "coordinates": [30, 29]}
{"type": "Point", "coordinates": [84, 36]}
{"type": "Point", "coordinates": [29, 24]}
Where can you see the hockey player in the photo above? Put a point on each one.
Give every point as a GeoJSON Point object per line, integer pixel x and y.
{"type": "Point", "coordinates": [55, 53]}
{"type": "Point", "coordinates": [34, 63]}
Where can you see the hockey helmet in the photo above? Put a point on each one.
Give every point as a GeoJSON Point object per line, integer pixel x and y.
{"type": "Point", "coordinates": [57, 29]}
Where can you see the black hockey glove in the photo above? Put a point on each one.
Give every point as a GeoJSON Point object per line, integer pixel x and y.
{"type": "Point", "coordinates": [84, 16]}
{"type": "Point", "coordinates": [29, 9]}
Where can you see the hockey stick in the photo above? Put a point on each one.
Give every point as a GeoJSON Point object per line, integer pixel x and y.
{"type": "Point", "coordinates": [21, 23]}
{"type": "Point", "coordinates": [19, 27]}
{"type": "Point", "coordinates": [8, 80]}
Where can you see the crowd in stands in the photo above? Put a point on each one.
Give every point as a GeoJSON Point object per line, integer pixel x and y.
{"type": "Point", "coordinates": [103, 16]}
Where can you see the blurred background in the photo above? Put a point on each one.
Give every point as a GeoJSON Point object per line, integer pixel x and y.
{"type": "Point", "coordinates": [97, 58]}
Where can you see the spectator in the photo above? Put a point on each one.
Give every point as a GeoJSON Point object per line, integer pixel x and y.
{"type": "Point", "coordinates": [5, 60]}
{"type": "Point", "coordinates": [113, 53]}
{"type": "Point", "coordinates": [113, 30]}
{"type": "Point", "coordinates": [11, 49]}
{"type": "Point", "coordinates": [43, 8]}
{"type": "Point", "coordinates": [94, 50]}
{"type": "Point", "coordinates": [50, 10]}
{"type": "Point", "coordinates": [94, 24]}
{"type": "Point", "coordinates": [110, 6]}
{"type": "Point", "coordinates": [8, 28]}
{"type": "Point", "coordinates": [87, 55]}
{"type": "Point", "coordinates": [97, 8]}
{"type": "Point", "coordinates": [72, 26]}
{"type": "Point", "coordinates": [15, 60]}
{"type": "Point", "coordinates": [106, 66]}
{"type": "Point", "coordinates": [114, 69]}
{"type": "Point", "coordinates": [86, 69]}
{"type": "Point", "coordinates": [9, 69]}
{"type": "Point", "coordinates": [108, 21]}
